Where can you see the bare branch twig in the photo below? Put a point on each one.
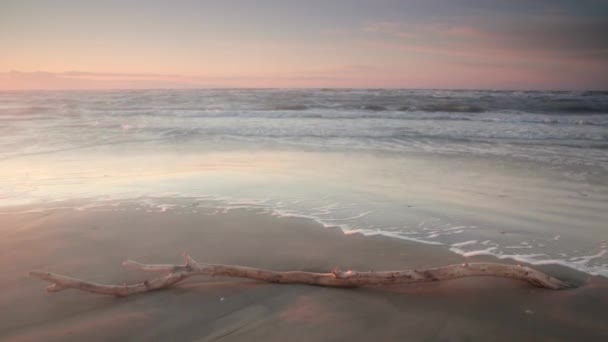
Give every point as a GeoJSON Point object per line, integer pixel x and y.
{"type": "Point", "coordinates": [177, 273]}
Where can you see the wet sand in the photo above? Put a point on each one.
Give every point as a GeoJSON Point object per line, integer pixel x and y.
{"type": "Point", "coordinates": [92, 244]}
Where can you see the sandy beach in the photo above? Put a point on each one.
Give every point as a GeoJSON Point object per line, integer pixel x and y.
{"type": "Point", "coordinates": [91, 244]}
{"type": "Point", "coordinates": [455, 150]}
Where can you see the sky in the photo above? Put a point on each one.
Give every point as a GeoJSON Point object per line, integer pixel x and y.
{"type": "Point", "coordinates": [463, 44]}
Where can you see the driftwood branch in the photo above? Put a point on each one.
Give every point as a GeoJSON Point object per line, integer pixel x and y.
{"type": "Point", "coordinates": [177, 273]}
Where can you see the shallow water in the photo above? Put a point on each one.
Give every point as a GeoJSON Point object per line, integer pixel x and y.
{"type": "Point", "coordinates": [514, 174]}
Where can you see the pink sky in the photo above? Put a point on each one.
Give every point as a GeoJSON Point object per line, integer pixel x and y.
{"type": "Point", "coordinates": [410, 44]}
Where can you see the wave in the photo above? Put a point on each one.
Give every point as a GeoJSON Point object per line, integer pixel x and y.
{"type": "Point", "coordinates": [373, 107]}
{"type": "Point", "coordinates": [302, 107]}
{"type": "Point", "coordinates": [445, 108]}
{"type": "Point", "coordinates": [581, 109]}
{"type": "Point", "coordinates": [376, 107]}
{"type": "Point", "coordinates": [339, 114]}
{"type": "Point", "coordinates": [474, 243]}
{"type": "Point", "coordinates": [372, 138]}
{"type": "Point", "coordinates": [316, 100]}
{"type": "Point", "coordinates": [290, 107]}
{"type": "Point", "coordinates": [526, 123]}
{"type": "Point", "coordinates": [595, 93]}
{"type": "Point", "coordinates": [579, 263]}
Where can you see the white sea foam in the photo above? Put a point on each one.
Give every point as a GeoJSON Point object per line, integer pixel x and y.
{"type": "Point", "coordinates": [491, 248]}
{"type": "Point", "coordinates": [368, 232]}
{"type": "Point", "coordinates": [329, 215]}
{"type": "Point", "coordinates": [464, 243]}
{"type": "Point", "coordinates": [580, 263]}
{"type": "Point", "coordinates": [36, 210]}
{"type": "Point", "coordinates": [350, 218]}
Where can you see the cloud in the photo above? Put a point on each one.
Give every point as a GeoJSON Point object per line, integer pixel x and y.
{"type": "Point", "coordinates": [114, 74]}
{"type": "Point", "coordinates": [469, 32]}
{"type": "Point", "coordinates": [554, 37]}
{"type": "Point", "coordinates": [15, 80]}
{"type": "Point", "coordinates": [347, 76]}
{"type": "Point", "coordinates": [528, 51]}
{"type": "Point", "coordinates": [391, 28]}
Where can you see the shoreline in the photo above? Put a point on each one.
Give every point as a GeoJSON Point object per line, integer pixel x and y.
{"type": "Point", "coordinates": [212, 206]}
{"type": "Point", "coordinates": [92, 244]}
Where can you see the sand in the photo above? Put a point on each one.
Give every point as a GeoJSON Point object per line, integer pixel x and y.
{"type": "Point", "coordinates": [91, 245]}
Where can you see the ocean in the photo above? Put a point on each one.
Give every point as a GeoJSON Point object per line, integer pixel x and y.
{"type": "Point", "coordinates": [512, 174]}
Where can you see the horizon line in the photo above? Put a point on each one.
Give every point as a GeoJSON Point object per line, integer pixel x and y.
{"type": "Point", "coordinates": [303, 88]}
{"type": "Point", "coordinates": [37, 81]}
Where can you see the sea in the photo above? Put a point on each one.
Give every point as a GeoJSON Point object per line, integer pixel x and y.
{"type": "Point", "coordinates": [519, 175]}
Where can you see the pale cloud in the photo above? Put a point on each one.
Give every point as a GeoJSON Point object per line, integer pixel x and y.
{"type": "Point", "coordinates": [550, 37]}
{"type": "Point", "coordinates": [16, 80]}
{"type": "Point", "coordinates": [347, 76]}
{"type": "Point", "coordinates": [469, 32]}
{"type": "Point", "coordinates": [395, 29]}
{"type": "Point", "coordinates": [114, 74]}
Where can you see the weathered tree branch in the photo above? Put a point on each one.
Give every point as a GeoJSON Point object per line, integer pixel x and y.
{"type": "Point", "coordinates": [177, 273]}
